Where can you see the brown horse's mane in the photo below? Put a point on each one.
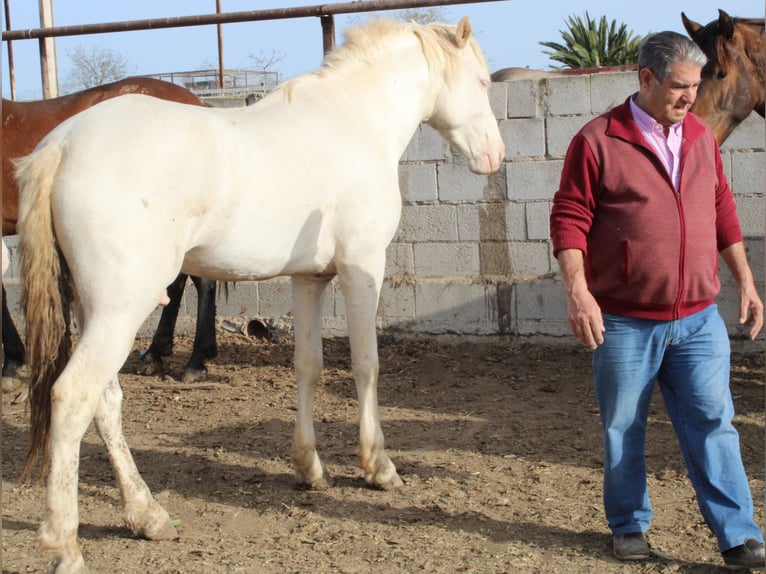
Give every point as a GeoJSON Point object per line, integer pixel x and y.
{"type": "Point", "coordinates": [709, 37]}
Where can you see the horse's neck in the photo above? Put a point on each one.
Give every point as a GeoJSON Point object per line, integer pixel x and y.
{"type": "Point", "coordinates": [389, 98]}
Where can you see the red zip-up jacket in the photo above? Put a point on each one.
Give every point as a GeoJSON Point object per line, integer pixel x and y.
{"type": "Point", "coordinates": [649, 252]}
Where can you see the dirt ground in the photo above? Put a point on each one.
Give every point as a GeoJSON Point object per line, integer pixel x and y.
{"type": "Point", "coordinates": [497, 442]}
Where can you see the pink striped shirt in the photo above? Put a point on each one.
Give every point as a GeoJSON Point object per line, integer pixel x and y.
{"type": "Point", "coordinates": [668, 149]}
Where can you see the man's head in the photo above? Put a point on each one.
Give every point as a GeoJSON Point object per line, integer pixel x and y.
{"type": "Point", "coordinates": [669, 66]}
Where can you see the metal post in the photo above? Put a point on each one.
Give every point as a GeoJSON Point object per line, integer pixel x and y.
{"type": "Point", "coordinates": [10, 50]}
{"type": "Point", "coordinates": [220, 47]}
{"type": "Point", "coordinates": [328, 32]}
{"type": "Point", "coordinates": [48, 63]}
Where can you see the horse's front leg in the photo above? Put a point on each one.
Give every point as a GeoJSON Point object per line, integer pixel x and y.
{"type": "Point", "coordinates": [361, 290]}
{"type": "Point", "coordinates": [307, 297]}
{"type": "Point", "coordinates": [143, 514]}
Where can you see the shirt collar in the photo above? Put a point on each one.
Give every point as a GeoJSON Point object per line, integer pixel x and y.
{"type": "Point", "coordinates": [647, 124]}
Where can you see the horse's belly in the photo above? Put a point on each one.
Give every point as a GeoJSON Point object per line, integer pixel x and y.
{"type": "Point", "coordinates": [254, 264]}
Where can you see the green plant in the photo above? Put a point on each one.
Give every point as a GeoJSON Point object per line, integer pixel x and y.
{"type": "Point", "coordinates": [590, 43]}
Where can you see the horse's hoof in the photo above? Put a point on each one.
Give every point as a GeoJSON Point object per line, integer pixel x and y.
{"type": "Point", "coordinates": [323, 483]}
{"type": "Point", "coordinates": [384, 480]}
{"type": "Point", "coordinates": [194, 376]}
{"type": "Point", "coordinates": [149, 366]}
{"type": "Point", "coordinates": [78, 567]}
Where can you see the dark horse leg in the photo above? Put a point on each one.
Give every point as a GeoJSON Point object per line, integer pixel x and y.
{"type": "Point", "coordinates": [13, 349]}
{"type": "Point", "coordinates": [205, 346]}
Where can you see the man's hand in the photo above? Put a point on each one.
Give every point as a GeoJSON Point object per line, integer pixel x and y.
{"type": "Point", "coordinates": [584, 314]}
{"type": "Point", "coordinates": [750, 304]}
{"type": "Point", "coordinates": [585, 318]}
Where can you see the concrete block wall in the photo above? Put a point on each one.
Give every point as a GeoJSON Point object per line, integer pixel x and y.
{"type": "Point", "coordinates": [472, 254]}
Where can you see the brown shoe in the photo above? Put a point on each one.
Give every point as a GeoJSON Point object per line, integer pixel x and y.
{"type": "Point", "coordinates": [631, 546]}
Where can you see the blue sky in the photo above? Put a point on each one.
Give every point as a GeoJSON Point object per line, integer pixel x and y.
{"type": "Point", "coordinates": [508, 31]}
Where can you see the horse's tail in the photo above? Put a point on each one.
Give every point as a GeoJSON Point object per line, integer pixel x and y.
{"type": "Point", "coordinates": [47, 296]}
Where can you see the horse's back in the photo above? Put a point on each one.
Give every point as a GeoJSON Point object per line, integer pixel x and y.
{"type": "Point", "coordinates": [220, 184]}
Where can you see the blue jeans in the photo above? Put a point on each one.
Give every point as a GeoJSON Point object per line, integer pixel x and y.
{"type": "Point", "coordinates": [689, 358]}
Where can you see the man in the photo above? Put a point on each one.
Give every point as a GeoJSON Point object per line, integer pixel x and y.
{"type": "Point", "coordinates": [642, 211]}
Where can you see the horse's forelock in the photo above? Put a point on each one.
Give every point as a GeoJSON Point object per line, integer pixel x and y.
{"type": "Point", "coordinates": [440, 47]}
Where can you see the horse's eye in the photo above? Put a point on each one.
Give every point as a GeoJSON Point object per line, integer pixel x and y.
{"type": "Point", "coordinates": [720, 74]}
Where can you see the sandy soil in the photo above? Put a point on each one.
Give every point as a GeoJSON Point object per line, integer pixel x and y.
{"type": "Point", "coordinates": [497, 443]}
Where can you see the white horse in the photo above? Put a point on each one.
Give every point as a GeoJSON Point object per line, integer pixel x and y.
{"type": "Point", "coordinates": [120, 198]}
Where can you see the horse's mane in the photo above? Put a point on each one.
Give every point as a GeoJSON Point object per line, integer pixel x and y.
{"type": "Point", "coordinates": [366, 42]}
{"type": "Point", "coordinates": [713, 42]}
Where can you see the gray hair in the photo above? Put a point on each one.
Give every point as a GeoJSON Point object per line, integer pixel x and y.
{"type": "Point", "coordinates": [659, 51]}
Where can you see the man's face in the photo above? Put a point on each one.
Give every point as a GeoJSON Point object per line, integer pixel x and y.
{"type": "Point", "coordinates": [669, 101]}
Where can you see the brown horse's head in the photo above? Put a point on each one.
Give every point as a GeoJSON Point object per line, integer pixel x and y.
{"type": "Point", "coordinates": [733, 79]}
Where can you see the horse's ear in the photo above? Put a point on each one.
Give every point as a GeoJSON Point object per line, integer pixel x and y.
{"type": "Point", "coordinates": [463, 31]}
{"type": "Point", "coordinates": [691, 26]}
{"type": "Point", "coordinates": [725, 25]}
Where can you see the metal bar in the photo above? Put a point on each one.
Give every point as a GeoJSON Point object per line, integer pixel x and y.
{"type": "Point", "coordinates": [232, 17]}
{"type": "Point", "coordinates": [220, 45]}
{"type": "Point", "coordinates": [10, 50]}
{"type": "Point", "coordinates": [328, 33]}
{"type": "Point", "coordinates": [48, 60]}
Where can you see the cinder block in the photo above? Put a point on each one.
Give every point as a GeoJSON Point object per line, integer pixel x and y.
{"type": "Point", "coordinates": [397, 300]}
{"type": "Point", "coordinates": [757, 258]}
{"type": "Point", "coordinates": [491, 221]}
{"type": "Point", "coordinates": [427, 223]}
{"type": "Point", "coordinates": [523, 137]}
{"type": "Point", "coordinates": [446, 259]}
{"type": "Point", "coordinates": [457, 183]}
{"type": "Point", "coordinates": [747, 172]}
{"type": "Point", "coordinates": [427, 145]}
{"type": "Point", "coordinates": [523, 98]}
{"type": "Point", "coordinates": [498, 99]}
{"type": "Point", "coordinates": [456, 307]}
{"type": "Point", "coordinates": [751, 215]}
{"type": "Point", "coordinates": [749, 135]}
{"type": "Point", "coordinates": [275, 299]}
{"type": "Point", "coordinates": [243, 299]}
{"type": "Point", "coordinates": [530, 257]}
{"type": "Point", "coordinates": [494, 259]}
{"type": "Point", "coordinates": [417, 181]}
{"type": "Point", "coordinates": [541, 308]}
{"type": "Point", "coordinates": [538, 217]}
{"type": "Point", "coordinates": [561, 130]}
{"type": "Point", "coordinates": [610, 89]}
{"type": "Point", "coordinates": [533, 180]}
{"type": "Point", "coordinates": [399, 259]}
{"type": "Point", "coordinates": [566, 95]}
{"type": "Point", "coordinates": [12, 243]}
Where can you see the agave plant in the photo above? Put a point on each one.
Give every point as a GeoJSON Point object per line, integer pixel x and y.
{"type": "Point", "coordinates": [589, 43]}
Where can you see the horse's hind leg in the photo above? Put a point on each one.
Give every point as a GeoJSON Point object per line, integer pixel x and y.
{"type": "Point", "coordinates": [307, 296]}
{"type": "Point", "coordinates": [13, 350]}
{"type": "Point", "coordinates": [361, 289]}
{"type": "Point", "coordinates": [143, 515]}
{"type": "Point", "coordinates": [205, 346]}
{"type": "Point", "coordinates": [76, 397]}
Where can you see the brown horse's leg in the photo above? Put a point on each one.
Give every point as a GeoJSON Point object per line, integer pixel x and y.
{"type": "Point", "coordinates": [13, 349]}
{"type": "Point", "coordinates": [205, 345]}
{"type": "Point", "coordinates": [162, 342]}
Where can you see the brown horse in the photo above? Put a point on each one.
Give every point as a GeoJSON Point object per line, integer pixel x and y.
{"type": "Point", "coordinates": [733, 79]}
{"type": "Point", "coordinates": [24, 125]}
